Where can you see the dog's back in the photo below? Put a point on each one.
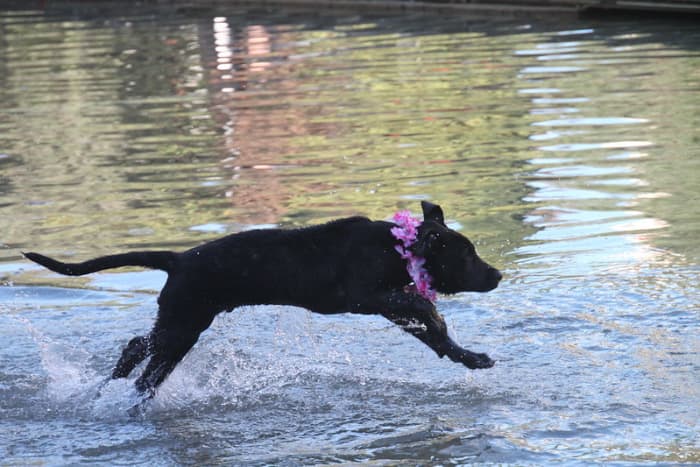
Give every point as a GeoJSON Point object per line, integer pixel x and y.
{"type": "Point", "coordinates": [315, 267]}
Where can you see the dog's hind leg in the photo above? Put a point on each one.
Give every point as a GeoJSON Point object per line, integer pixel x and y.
{"type": "Point", "coordinates": [166, 355]}
{"type": "Point", "coordinates": [418, 317]}
{"type": "Point", "coordinates": [133, 354]}
{"type": "Point", "coordinates": [168, 344]}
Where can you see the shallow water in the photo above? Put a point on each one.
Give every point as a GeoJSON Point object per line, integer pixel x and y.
{"type": "Point", "coordinates": [567, 151]}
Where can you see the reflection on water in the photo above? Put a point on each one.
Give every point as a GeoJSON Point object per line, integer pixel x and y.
{"type": "Point", "coordinates": [167, 132]}
{"type": "Point", "coordinates": [591, 179]}
{"type": "Point", "coordinates": [569, 153]}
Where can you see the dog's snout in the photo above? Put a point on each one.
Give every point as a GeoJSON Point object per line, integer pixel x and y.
{"type": "Point", "coordinates": [493, 277]}
{"type": "Point", "coordinates": [495, 274]}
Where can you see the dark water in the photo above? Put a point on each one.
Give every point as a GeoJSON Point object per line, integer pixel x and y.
{"type": "Point", "coordinates": [569, 151]}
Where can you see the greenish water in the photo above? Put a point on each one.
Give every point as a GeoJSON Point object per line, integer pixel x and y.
{"type": "Point", "coordinates": [568, 151]}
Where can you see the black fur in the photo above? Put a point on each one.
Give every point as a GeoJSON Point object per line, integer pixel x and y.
{"type": "Point", "coordinates": [348, 265]}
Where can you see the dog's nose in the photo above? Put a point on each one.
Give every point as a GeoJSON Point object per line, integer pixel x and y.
{"type": "Point", "coordinates": [496, 274]}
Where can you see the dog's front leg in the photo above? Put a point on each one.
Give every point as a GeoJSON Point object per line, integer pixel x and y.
{"type": "Point", "coordinates": [418, 317]}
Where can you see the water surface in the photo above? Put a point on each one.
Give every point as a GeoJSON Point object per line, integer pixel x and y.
{"type": "Point", "coordinates": [567, 151]}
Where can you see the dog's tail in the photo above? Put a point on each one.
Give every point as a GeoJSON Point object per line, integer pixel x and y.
{"type": "Point", "coordinates": [163, 260]}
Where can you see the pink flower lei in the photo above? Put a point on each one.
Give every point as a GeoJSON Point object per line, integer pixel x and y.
{"type": "Point", "coordinates": [406, 231]}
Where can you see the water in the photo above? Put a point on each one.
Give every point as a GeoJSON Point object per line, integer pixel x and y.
{"type": "Point", "coordinates": [568, 150]}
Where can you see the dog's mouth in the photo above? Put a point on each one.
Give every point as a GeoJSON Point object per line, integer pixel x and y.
{"type": "Point", "coordinates": [489, 287]}
{"type": "Point", "coordinates": [486, 285]}
{"type": "Point", "coordinates": [492, 279]}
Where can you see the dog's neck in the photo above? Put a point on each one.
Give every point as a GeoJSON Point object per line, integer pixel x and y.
{"type": "Point", "coordinates": [406, 232]}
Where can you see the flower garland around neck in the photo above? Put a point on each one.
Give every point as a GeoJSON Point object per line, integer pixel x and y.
{"type": "Point", "coordinates": [406, 231]}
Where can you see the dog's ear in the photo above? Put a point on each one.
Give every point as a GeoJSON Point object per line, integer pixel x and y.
{"type": "Point", "coordinates": [432, 212]}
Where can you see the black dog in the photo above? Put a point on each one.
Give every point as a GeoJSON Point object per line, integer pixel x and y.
{"type": "Point", "coordinates": [348, 265]}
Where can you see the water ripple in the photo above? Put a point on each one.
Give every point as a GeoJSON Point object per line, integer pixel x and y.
{"type": "Point", "coordinates": [592, 121]}
{"type": "Point", "coordinates": [568, 155]}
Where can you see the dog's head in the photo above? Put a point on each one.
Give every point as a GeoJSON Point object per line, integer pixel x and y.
{"type": "Point", "coordinates": [450, 257]}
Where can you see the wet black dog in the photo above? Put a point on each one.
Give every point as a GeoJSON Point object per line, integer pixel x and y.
{"type": "Point", "coordinates": [348, 265]}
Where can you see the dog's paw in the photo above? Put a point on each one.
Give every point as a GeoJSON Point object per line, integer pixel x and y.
{"type": "Point", "coordinates": [472, 360]}
{"type": "Point", "coordinates": [484, 361]}
{"type": "Point", "coordinates": [477, 361]}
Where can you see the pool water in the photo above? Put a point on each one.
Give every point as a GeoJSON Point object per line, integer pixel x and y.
{"type": "Point", "coordinates": [566, 149]}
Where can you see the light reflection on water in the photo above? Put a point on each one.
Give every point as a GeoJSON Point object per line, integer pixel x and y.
{"type": "Point", "coordinates": [568, 154]}
{"type": "Point", "coordinates": [583, 164]}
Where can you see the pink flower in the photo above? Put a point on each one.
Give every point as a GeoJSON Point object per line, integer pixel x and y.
{"type": "Point", "coordinates": [406, 231]}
